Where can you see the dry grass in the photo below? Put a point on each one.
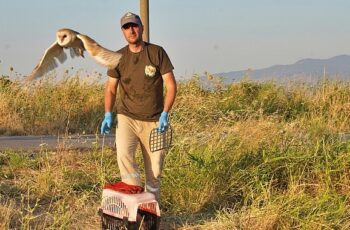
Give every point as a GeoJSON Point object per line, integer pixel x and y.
{"type": "Point", "coordinates": [247, 156]}
{"type": "Point", "coordinates": [69, 106]}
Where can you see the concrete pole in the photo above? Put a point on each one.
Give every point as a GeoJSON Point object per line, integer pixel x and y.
{"type": "Point", "coordinates": [144, 13]}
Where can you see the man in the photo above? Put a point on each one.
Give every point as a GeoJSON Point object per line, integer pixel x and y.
{"type": "Point", "coordinates": [140, 76]}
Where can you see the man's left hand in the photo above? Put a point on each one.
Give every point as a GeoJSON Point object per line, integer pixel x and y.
{"type": "Point", "coordinates": [163, 122]}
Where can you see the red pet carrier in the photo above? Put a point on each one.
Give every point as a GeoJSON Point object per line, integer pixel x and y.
{"type": "Point", "coordinates": [129, 211]}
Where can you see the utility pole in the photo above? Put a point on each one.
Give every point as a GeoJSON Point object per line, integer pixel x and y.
{"type": "Point", "coordinates": [144, 12]}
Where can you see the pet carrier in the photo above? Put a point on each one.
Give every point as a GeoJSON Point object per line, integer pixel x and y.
{"type": "Point", "coordinates": [129, 211]}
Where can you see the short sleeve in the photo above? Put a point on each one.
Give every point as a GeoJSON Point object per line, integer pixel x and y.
{"type": "Point", "coordinates": [113, 73]}
{"type": "Point", "coordinates": [165, 63]}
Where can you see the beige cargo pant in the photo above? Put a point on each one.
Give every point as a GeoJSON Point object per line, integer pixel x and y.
{"type": "Point", "coordinates": [129, 134]}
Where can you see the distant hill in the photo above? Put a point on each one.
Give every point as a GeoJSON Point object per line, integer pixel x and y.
{"type": "Point", "coordinates": [337, 67]}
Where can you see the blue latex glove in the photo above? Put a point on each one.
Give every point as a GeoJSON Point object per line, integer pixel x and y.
{"type": "Point", "coordinates": [107, 123]}
{"type": "Point", "coordinates": [163, 122]}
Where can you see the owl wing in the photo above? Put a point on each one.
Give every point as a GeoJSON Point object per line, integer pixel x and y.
{"type": "Point", "coordinates": [73, 52]}
{"type": "Point", "coordinates": [49, 61]}
{"type": "Point", "coordinates": [100, 54]}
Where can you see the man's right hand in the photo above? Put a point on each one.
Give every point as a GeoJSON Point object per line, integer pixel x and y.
{"type": "Point", "coordinates": [107, 123]}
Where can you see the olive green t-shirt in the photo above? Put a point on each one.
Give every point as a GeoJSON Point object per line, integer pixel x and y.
{"type": "Point", "coordinates": [141, 82]}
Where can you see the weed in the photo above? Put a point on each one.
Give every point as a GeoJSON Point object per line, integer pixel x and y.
{"type": "Point", "coordinates": [250, 155]}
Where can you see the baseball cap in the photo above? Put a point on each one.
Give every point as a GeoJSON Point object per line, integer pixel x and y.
{"type": "Point", "coordinates": [130, 18]}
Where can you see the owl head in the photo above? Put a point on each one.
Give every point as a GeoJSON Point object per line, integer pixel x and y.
{"type": "Point", "coordinates": [65, 37]}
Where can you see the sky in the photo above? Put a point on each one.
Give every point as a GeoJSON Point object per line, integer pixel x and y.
{"type": "Point", "coordinates": [199, 35]}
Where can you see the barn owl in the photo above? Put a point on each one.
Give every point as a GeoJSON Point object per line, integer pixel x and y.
{"type": "Point", "coordinates": [77, 43]}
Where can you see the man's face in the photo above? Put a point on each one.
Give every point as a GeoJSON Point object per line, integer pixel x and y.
{"type": "Point", "coordinates": [132, 33]}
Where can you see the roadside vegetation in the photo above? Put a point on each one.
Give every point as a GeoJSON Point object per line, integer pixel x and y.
{"type": "Point", "coordinates": [249, 155]}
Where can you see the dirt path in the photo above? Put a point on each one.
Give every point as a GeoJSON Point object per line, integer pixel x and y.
{"type": "Point", "coordinates": [32, 143]}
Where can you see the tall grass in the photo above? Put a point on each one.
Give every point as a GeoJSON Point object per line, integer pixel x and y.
{"type": "Point", "coordinates": [49, 107]}
{"type": "Point", "coordinates": [247, 156]}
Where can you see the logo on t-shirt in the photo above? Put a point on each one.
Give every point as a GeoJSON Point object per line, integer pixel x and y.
{"type": "Point", "coordinates": [150, 71]}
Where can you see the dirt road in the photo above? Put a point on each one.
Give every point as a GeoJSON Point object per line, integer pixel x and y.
{"type": "Point", "coordinates": [32, 143]}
